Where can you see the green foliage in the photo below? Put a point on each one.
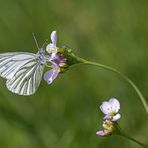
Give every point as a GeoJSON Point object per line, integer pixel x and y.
{"type": "Point", "coordinates": [66, 114]}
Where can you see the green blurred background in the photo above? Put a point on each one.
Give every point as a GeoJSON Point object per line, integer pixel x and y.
{"type": "Point", "coordinates": [66, 114]}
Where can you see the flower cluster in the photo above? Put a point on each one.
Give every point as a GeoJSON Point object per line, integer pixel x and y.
{"type": "Point", "coordinates": [56, 58]}
{"type": "Point", "coordinates": [110, 109]}
{"type": "Point", "coordinates": [59, 58]}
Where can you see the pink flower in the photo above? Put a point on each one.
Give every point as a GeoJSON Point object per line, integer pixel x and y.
{"type": "Point", "coordinates": [56, 58]}
{"type": "Point", "coordinates": [110, 109]}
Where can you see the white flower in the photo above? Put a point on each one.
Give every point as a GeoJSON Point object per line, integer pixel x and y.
{"type": "Point", "coordinates": [51, 47]}
{"type": "Point", "coordinates": [110, 109]}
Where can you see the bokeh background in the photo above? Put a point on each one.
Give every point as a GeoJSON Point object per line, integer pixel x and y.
{"type": "Point", "coordinates": [66, 114]}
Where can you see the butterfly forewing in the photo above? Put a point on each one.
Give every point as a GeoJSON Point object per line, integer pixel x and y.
{"type": "Point", "coordinates": [10, 63]}
{"type": "Point", "coordinates": [23, 72]}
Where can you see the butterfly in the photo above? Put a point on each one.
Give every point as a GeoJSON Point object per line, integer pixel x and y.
{"type": "Point", "coordinates": [22, 70]}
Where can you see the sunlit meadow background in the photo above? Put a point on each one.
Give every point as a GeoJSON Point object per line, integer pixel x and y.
{"type": "Point", "coordinates": [66, 114]}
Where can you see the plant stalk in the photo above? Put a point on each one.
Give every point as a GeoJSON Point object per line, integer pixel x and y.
{"type": "Point", "coordinates": [142, 99]}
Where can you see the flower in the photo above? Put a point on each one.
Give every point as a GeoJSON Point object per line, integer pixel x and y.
{"type": "Point", "coordinates": [110, 109]}
{"type": "Point", "coordinates": [56, 58]}
{"type": "Point", "coordinates": [57, 61]}
{"type": "Point", "coordinates": [60, 58]}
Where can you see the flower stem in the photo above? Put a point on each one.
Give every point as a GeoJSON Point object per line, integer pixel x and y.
{"type": "Point", "coordinates": [134, 140]}
{"type": "Point", "coordinates": [121, 133]}
{"type": "Point", "coordinates": [143, 100]}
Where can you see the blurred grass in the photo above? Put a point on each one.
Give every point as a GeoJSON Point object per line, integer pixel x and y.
{"type": "Point", "coordinates": [65, 114]}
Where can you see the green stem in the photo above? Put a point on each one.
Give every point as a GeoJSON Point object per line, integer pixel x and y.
{"type": "Point", "coordinates": [121, 133]}
{"type": "Point", "coordinates": [143, 100]}
{"type": "Point", "coordinates": [134, 140]}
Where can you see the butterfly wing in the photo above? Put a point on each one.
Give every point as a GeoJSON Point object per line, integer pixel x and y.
{"type": "Point", "coordinates": [11, 62]}
{"type": "Point", "coordinates": [23, 72]}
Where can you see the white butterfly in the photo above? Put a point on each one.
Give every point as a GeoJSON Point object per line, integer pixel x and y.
{"type": "Point", "coordinates": [23, 71]}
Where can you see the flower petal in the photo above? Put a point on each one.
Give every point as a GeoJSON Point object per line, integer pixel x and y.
{"type": "Point", "coordinates": [53, 56]}
{"type": "Point", "coordinates": [106, 107]}
{"type": "Point", "coordinates": [107, 117]}
{"type": "Point", "coordinates": [54, 37]}
{"type": "Point", "coordinates": [116, 117]}
{"type": "Point", "coordinates": [50, 75]}
{"type": "Point", "coordinates": [115, 104]}
{"type": "Point", "coordinates": [50, 48]}
{"type": "Point", "coordinates": [102, 133]}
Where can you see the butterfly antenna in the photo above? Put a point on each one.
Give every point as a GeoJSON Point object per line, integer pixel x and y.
{"type": "Point", "coordinates": [37, 45]}
{"type": "Point", "coordinates": [46, 41]}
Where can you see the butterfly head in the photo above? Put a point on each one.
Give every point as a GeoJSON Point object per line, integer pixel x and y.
{"type": "Point", "coordinates": [41, 55]}
{"type": "Point", "coordinates": [41, 51]}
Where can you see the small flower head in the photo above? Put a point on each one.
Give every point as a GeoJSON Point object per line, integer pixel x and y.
{"type": "Point", "coordinates": [110, 109]}
{"type": "Point", "coordinates": [60, 58]}
{"type": "Point", "coordinates": [56, 58]}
